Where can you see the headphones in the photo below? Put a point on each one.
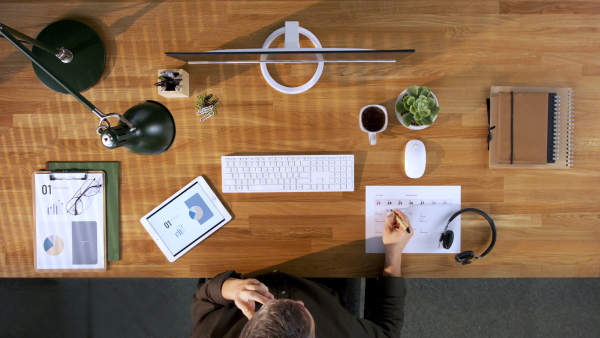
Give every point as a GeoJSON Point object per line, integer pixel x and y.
{"type": "Point", "coordinates": [447, 237]}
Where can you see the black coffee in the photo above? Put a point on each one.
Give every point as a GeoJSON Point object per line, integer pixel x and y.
{"type": "Point", "coordinates": [373, 119]}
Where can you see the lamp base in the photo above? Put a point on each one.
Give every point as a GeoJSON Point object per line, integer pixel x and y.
{"type": "Point", "coordinates": [89, 56]}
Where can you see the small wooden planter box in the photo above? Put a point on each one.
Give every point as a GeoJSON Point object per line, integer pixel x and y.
{"type": "Point", "coordinates": [185, 84]}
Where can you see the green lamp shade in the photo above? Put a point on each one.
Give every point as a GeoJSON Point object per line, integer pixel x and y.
{"type": "Point", "coordinates": [154, 130]}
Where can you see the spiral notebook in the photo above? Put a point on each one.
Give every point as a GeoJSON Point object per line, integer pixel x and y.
{"type": "Point", "coordinates": [531, 127]}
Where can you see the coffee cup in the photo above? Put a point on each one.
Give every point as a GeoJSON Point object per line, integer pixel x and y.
{"type": "Point", "coordinates": [373, 119]}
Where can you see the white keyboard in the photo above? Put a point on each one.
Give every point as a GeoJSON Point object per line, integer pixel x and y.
{"type": "Point", "coordinates": [297, 173]}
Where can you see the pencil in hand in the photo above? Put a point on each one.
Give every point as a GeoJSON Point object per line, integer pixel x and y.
{"type": "Point", "coordinates": [402, 223]}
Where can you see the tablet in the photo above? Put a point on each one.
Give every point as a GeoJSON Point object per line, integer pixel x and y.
{"type": "Point", "coordinates": [186, 219]}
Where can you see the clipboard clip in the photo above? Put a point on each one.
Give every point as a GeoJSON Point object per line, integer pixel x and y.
{"type": "Point", "coordinates": [68, 174]}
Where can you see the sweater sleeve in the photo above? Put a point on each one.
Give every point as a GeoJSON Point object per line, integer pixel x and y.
{"type": "Point", "coordinates": [208, 298]}
{"type": "Point", "coordinates": [388, 311]}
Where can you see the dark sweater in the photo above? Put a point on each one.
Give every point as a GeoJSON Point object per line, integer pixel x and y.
{"type": "Point", "coordinates": [214, 316]}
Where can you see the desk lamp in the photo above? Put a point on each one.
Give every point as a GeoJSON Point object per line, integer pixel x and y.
{"type": "Point", "coordinates": [147, 128]}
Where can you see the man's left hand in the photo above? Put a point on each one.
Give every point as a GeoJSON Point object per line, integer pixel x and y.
{"type": "Point", "coordinates": [245, 292]}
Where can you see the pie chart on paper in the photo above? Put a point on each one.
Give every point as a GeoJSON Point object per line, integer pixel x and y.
{"type": "Point", "coordinates": [54, 245]}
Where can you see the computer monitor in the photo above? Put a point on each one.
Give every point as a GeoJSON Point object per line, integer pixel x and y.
{"type": "Point", "coordinates": [303, 55]}
{"type": "Point", "coordinates": [292, 53]}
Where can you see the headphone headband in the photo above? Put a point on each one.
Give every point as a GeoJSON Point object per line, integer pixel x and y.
{"type": "Point", "coordinates": [465, 256]}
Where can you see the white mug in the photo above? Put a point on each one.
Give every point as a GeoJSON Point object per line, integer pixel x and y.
{"type": "Point", "coordinates": [373, 134]}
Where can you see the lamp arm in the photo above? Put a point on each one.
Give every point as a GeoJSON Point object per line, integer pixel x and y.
{"type": "Point", "coordinates": [61, 53]}
{"type": "Point", "coordinates": [104, 124]}
{"type": "Point", "coordinates": [32, 41]}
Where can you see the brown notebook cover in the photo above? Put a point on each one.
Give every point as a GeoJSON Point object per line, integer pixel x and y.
{"type": "Point", "coordinates": [522, 127]}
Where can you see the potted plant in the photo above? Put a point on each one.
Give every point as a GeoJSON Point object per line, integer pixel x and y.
{"type": "Point", "coordinates": [417, 107]}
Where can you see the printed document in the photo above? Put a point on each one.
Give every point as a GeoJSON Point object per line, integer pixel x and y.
{"type": "Point", "coordinates": [428, 208]}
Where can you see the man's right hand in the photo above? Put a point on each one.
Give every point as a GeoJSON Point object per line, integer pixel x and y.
{"type": "Point", "coordinates": [395, 239]}
{"type": "Point", "coordinates": [245, 292]}
{"type": "Point", "coordinates": [394, 236]}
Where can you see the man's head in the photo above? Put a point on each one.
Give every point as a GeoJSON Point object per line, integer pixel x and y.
{"type": "Point", "coordinates": [284, 318]}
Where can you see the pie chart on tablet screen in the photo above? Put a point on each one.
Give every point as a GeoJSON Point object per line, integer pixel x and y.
{"type": "Point", "coordinates": [196, 213]}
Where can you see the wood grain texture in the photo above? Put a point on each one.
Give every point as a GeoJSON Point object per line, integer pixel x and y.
{"type": "Point", "coordinates": [548, 220]}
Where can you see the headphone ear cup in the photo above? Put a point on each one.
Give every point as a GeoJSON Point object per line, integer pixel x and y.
{"type": "Point", "coordinates": [465, 257]}
{"type": "Point", "coordinates": [447, 239]}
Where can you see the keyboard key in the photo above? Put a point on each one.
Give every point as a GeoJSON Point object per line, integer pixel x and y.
{"type": "Point", "coordinates": [269, 188]}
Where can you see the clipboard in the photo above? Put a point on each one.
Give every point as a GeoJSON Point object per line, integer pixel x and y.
{"type": "Point", "coordinates": [69, 221]}
{"type": "Point", "coordinates": [111, 176]}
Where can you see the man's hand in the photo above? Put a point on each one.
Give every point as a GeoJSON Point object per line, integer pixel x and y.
{"type": "Point", "coordinates": [394, 236]}
{"type": "Point", "coordinates": [395, 239]}
{"type": "Point", "coordinates": [245, 292]}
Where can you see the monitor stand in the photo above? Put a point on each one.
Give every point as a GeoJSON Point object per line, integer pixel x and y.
{"type": "Point", "coordinates": [292, 33]}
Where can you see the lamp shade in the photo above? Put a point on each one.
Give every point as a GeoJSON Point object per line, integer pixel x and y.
{"type": "Point", "coordinates": [154, 130]}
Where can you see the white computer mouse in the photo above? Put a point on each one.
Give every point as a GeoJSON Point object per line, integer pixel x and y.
{"type": "Point", "coordinates": [415, 158]}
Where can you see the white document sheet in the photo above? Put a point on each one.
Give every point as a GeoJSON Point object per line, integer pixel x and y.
{"type": "Point", "coordinates": [428, 208]}
{"type": "Point", "coordinates": [70, 224]}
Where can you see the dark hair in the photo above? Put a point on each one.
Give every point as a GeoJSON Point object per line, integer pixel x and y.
{"type": "Point", "coordinates": [282, 318]}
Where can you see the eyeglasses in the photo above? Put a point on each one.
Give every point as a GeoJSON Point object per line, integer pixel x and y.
{"type": "Point", "coordinates": [81, 201]}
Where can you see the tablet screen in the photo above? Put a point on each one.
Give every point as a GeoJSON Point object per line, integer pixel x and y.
{"type": "Point", "coordinates": [187, 217]}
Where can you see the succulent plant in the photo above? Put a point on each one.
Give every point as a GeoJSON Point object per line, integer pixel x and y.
{"type": "Point", "coordinates": [209, 100]}
{"type": "Point", "coordinates": [417, 107]}
{"type": "Point", "coordinates": [169, 81]}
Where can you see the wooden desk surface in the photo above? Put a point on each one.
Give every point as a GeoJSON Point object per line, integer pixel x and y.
{"type": "Point", "coordinates": [548, 220]}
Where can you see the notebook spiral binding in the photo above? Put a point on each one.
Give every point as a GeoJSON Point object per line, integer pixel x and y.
{"type": "Point", "coordinates": [570, 125]}
{"type": "Point", "coordinates": [556, 142]}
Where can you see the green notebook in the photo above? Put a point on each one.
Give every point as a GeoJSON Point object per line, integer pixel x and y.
{"type": "Point", "coordinates": [111, 170]}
